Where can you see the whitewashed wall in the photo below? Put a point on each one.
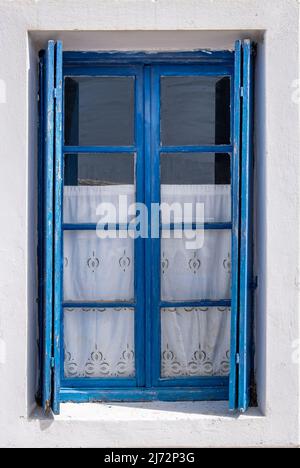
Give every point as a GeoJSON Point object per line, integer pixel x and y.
{"type": "Point", "coordinates": [25, 26]}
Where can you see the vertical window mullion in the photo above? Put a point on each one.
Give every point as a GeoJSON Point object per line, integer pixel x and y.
{"type": "Point", "coordinates": [148, 241]}
{"type": "Point", "coordinates": [139, 242]}
{"type": "Point", "coordinates": [155, 199]}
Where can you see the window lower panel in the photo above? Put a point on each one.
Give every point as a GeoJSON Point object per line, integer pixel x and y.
{"type": "Point", "coordinates": [99, 343]}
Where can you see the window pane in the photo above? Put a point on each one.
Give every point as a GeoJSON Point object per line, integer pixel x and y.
{"type": "Point", "coordinates": [99, 343]}
{"type": "Point", "coordinates": [195, 169]}
{"type": "Point", "coordinates": [195, 110]}
{"type": "Point", "coordinates": [191, 274]}
{"type": "Point", "coordinates": [99, 111]}
{"type": "Point", "coordinates": [98, 269]}
{"type": "Point", "coordinates": [94, 179]}
{"type": "Point", "coordinates": [195, 342]}
{"type": "Point", "coordinates": [197, 178]}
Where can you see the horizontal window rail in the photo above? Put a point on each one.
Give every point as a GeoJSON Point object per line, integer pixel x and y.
{"type": "Point", "coordinates": [163, 149]}
{"type": "Point", "coordinates": [226, 303]}
{"type": "Point", "coordinates": [198, 56]}
{"type": "Point", "coordinates": [99, 305]}
{"type": "Point", "coordinates": [196, 226]}
{"type": "Point", "coordinates": [197, 149]}
{"type": "Point", "coordinates": [94, 227]}
{"type": "Point", "coordinates": [132, 226]}
{"type": "Point", "coordinates": [99, 149]}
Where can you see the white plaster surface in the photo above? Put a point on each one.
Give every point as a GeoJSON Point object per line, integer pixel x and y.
{"type": "Point", "coordinates": [25, 26]}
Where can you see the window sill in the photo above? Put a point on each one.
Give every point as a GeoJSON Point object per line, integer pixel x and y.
{"type": "Point", "coordinates": [148, 411]}
{"type": "Point", "coordinates": [153, 424]}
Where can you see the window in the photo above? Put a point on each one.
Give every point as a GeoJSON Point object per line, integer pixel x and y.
{"type": "Point", "coordinates": [138, 299]}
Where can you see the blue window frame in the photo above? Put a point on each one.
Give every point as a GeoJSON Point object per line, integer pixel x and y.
{"type": "Point", "coordinates": [149, 142]}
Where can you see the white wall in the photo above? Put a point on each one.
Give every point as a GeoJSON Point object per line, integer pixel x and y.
{"type": "Point", "coordinates": [25, 26]}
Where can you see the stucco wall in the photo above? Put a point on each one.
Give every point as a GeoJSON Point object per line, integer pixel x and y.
{"type": "Point", "coordinates": [25, 27]}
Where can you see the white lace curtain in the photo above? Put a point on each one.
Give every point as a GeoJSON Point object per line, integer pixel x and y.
{"type": "Point", "coordinates": [100, 342]}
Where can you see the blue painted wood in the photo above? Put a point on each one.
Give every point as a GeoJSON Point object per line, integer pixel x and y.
{"type": "Point", "coordinates": [144, 394]}
{"type": "Point", "coordinates": [115, 57]}
{"type": "Point", "coordinates": [41, 191]}
{"type": "Point", "coordinates": [209, 56]}
{"type": "Point", "coordinates": [156, 247]}
{"type": "Point", "coordinates": [48, 225]}
{"type": "Point", "coordinates": [58, 239]}
{"type": "Point", "coordinates": [73, 178]}
{"type": "Point", "coordinates": [85, 70]}
{"type": "Point", "coordinates": [147, 306]}
{"type": "Point", "coordinates": [138, 302]}
{"type": "Point", "coordinates": [148, 241]}
{"type": "Point", "coordinates": [165, 304]}
{"type": "Point", "coordinates": [195, 226]}
{"type": "Point", "coordinates": [195, 70]}
{"type": "Point", "coordinates": [94, 227]}
{"type": "Point", "coordinates": [131, 227]}
{"type": "Point", "coordinates": [195, 304]}
{"type": "Point", "coordinates": [225, 149]}
{"type": "Point", "coordinates": [139, 262]}
{"type": "Point", "coordinates": [235, 175]}
{"type": "Point", "coordinates": [222, 149]}
{"type": "Point", "coordinates": [157, 72]}
{"type": "Point", "coordinates": [246, 243]}
{"type": "Point", "coordinates": [99, 305]}
{"type": "Point", "coordinates": [98, 149]}
{"type": "Point", "coordinates": [98, 383]}
{"type": "Point", "coordinates": [193, 381]}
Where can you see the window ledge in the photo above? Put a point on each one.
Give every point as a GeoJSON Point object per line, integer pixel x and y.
{"type": "Point", "coordinates": [148, 411]}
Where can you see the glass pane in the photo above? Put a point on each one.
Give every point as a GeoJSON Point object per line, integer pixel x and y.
{"type": "Point", "coordinates": [195, 342]}
{"type": "Point", "coordinates": [191, 274]}
{"type": "Point", "coordinates": [98, 269]}
{"type": "Point", "coordinates": [195, 110]}
{"type": "Point", "coordinates": [195, 168]}
{"type": "Point", "coordinates": [99, 343]}
{"type": "Point", "coordinates": [197, 178]}
{"type": "Point", "coordinates": [99, 111]}
{"type": "Point", "coordinates": [93, 179]}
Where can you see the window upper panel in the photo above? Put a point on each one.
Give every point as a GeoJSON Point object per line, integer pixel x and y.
{"type": "Point", "coordinates": [99, 111]}
{"type": "Point", "coordinates": [195, 110]}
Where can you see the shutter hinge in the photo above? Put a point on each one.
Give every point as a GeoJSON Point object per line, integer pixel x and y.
{"type": "Point", "coordinates": [52, 363]}
{"type": "Point", "coordinates": [242, 91]}
{"type": "Point", "coordinates": [55, 93]}
{"type": "Point", "coordinates": [237, 358]}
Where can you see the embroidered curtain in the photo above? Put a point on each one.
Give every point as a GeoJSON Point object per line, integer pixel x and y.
{"type": "Point", "coordinates": [99, 342]}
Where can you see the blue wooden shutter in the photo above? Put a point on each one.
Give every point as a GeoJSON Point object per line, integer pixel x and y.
{"type": "Point", "coordinates": [242, 240]}
{"type": "Point", "coordinates": [233, 378]}
{"type": "Point", "coordinates": [246, 233]}
{"type": "Point", "coordinates": [48, 225]}
{"type": "Point", "coordinates": [58, 250]}
{"type": "Point", "coordinates": [52, 142]}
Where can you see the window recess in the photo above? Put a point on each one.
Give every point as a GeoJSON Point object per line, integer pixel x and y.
{"type": "Point", "coordinates": [138, 312]}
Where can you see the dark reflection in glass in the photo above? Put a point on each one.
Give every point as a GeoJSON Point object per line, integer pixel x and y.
{"type": "Point", "coordinates": [195, 110]}
{"type": "Point", "coordinates": [195, 169]}
{"type": "Point", "coordinates": [99, 169]}
{"type": "Point", "coordinates": [99, 111]}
